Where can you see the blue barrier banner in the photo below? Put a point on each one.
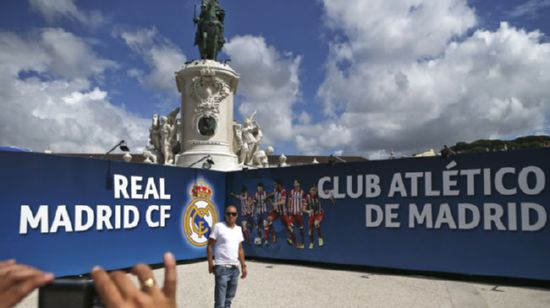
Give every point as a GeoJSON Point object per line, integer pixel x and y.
{"type": "Point", "coordinates": [475, 214]}
{"type": "Point", "coordinates": [67, 214]}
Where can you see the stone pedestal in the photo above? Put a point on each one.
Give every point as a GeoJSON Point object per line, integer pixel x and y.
{"type": "Point", "coordinates": [207, 88]}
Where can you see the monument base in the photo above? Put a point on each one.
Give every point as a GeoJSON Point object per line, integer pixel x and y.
{"type": "Point", "coordinates": [223, 161]}
{"type": "Point", "coordinates": [207, 89]}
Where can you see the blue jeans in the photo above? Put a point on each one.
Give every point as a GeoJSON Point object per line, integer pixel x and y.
{"type": "Point", "coordinates": [226, 285]}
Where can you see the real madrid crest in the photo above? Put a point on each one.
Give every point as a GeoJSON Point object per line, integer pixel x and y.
{"type": "Point", "coordinates": [200, 215]}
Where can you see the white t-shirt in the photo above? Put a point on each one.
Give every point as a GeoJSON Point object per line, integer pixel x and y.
{"type": "Point", "coordinates": [226, 249]}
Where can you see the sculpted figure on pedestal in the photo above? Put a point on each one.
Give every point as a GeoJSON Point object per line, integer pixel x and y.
{"type": "Point", "coordinates": [261, 159]}
{"type": "Point", "coordinates": [149, 155]}
{"type": "Point", "coordinates": [246, 143]}
{"type": "Point", "coordinates": [282, 161]}
{"type": "Point", "coordinates": [239, 146]}
{"type": "Point", "coordinates": [163, 139]}
{"type": "Point", "coordinates": [252, 136]}
{"type": "Point", "coordinates": [209, 37]}
{"type": "Point", "coordinates": [154, 136]}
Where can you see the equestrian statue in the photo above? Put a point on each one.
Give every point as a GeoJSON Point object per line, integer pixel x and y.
{"type": "Point", "coordinates": [210, 31]}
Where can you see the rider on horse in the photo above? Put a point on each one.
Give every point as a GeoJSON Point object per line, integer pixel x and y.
{"type": "Point", "coordinates": [210, 31]}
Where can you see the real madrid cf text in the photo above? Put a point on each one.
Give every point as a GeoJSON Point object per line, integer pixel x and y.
{"type": "Point", "coordinates": [500, 199]}
{"type": "Point", "coordinates": [82, 217]}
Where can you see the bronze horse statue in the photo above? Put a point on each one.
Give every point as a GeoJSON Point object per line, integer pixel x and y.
{"type": "Point", "coordinates": [210, 30]}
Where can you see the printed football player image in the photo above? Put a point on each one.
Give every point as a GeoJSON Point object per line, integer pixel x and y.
{"type": "Point", "coordinates": [316, 215]}
{"type": "Point", "coordinates": [260, 213]}
{"type": "Point", "coordinates": [296, 208]}
{"type": "Point", "coordinates": [247, 204]}
{"type": "Point", "coordinates": [278, 210]}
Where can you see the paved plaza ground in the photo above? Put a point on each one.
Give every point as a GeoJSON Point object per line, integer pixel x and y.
{"type": "Point", "coordinates": [287, 286]}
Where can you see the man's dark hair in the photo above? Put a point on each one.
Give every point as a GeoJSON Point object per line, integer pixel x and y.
{"type": "Point", "coordinates": [244, 189]}
{"type": "Point", "coordinates": [228, 206]}
{"type": "Point", "coordinates": [260, 184]}
{"type": "Point", "coordinates": [278, 182]}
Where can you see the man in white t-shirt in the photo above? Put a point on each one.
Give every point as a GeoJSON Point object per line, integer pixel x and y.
{"type": "Point", "coordinates": [226, 241]}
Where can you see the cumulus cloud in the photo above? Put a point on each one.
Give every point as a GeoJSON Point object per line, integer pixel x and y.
{"type": "Point", "coordinates": [70, 56]}
{"type": "Point", "coordinates": [312, 139]}
{"type": "Point", "coordinates": [269, 84]}
{"type": "Point", "coordinates": [52, 51]}
{"type": "Point", "coordinates": [160, 55]}
{"type": "Point", "coordinates": [408, 75]}
{"type": "Point", "coordinates": [48, 100]}
{"type": "Point", "coordinates": [529, 9]}
{"type": "Point", "coordinates": [381, 31]}
{"type": "Point", "coordinates": [55, 9]}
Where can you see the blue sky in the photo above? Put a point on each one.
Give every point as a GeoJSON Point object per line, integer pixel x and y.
{"type": "Point", "coordinates": [357, 77]}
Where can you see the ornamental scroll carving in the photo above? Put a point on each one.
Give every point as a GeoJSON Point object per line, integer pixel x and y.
{"type": "Point", "coordinates": [210, 91]}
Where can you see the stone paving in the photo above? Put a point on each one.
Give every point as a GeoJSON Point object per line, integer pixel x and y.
{"type": "Point", "coordinates": [287, 286]}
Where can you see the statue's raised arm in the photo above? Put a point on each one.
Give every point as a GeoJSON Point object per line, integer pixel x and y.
{"type": "Point", "coordinates": [209, 37]}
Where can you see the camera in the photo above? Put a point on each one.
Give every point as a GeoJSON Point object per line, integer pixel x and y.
{"type": "Point", "coordinates": [77, 293]}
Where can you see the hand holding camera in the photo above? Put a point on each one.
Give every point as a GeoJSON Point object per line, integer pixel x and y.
{"type": "Point", "coordinates": [117, 290]}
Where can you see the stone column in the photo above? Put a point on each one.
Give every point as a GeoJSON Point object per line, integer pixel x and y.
{"type": "Point", "coordinates": [207, 88]}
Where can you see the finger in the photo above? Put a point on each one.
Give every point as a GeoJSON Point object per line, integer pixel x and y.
{"type": "Point", "coordinates": [23, 288]}
{"type": "Point", "coordinates": [141, 299]}
{"type": "Point", "coordinates": [170, 276]}
{"type": "Point", "coordinates": [144, 272]}
{"type": "Point", "coordinates": [124, 284]}
{"type": "Point", "coordinates": [25, 273]}
{"type": "Point", "coordinates": [106, 288]}
{"type": "Point", "coordinates": [15, 272]}
{"type": "Point", "coordinates": [11, 268]}
{"type": "Point", "coordinates": [7, 263]}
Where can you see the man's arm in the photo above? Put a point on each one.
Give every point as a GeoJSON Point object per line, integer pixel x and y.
{"type": "Point", "coordinates": [209, 255]}
{"type": "Point", "coordinates": [244, 272]}
{"type": "Point", "coordinates": [289, 202]}
{"type": "Point", "coordinates": [251, 204]}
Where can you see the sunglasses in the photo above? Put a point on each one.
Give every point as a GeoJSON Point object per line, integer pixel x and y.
{"type": "Point", "coordinates": [231, 213]}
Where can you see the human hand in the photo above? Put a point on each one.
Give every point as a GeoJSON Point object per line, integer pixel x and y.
{"type": "Point", "coordinates": [117, 290]}
{"type": "Point", "coordinates": [210, 268]}
{"type": "Point", "coordinates": [18, 280]}
{"type": "Point", "coordinates": [244, 272]}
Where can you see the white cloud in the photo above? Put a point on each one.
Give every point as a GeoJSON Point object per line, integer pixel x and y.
{"type": "Point", "coordinates": [395, 30]}
{"type": "Point", "coordinates": [70, 56]}
{"type": "Point", "coordinates": [405, 75]}
{"type": "Point", "coordinates": [49, 103]}
{"type": "Point", "coordinates": [315, 139]}
{"type": "Point", "coordinates": [53, 51]}
{"type": "Point", "coordinates": [530, 9]}
{"type": "Point", "coordinates": [54, 9]}
{"type": "Point", "coordinates": [269, 84]}
{"type": "Point", "coordinates": [161, 56]}
{"type": "Point", "coordinates": [304, 118]}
